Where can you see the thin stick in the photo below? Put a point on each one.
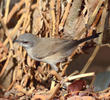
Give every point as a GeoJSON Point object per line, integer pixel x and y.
{"type": "Point", "coordinates": [15, 9]}
{"type": "Point", "coordinates": [15, 29]}
{"type": "Point", "coordinates": [65, 15]}
{"type": "Point", "coordinates": [11, 85]}
{"type": "Point", "coordinates": [58, 16]}
{"type": "Point", "coordinates": [54, 91]}
{"type": "Point", "coordinates": [27, 15]}
{"type": "Point", "coordinates": [9, 39]}
{"type": "Point", "coordinates": [24, 9]}
{"type": "Point", "coordinates": [52, 5]}
{"type": "Point", "coordinates": [91, 19]}
{"type": "Point", "coordinates": [70, 78]}
{"type": "Point", "coordinates": [6, 11]}
{"type": "Point", "coordinates": [6, 63]}
{"type": "Point", "coordinates": [90, 59]}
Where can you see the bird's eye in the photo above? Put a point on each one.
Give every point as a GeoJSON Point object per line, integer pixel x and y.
{"type": "Point", "coordinates": [25, 42]}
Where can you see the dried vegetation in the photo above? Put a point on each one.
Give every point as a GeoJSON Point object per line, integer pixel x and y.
{"type": "Point", "coordinates": [23, 78]}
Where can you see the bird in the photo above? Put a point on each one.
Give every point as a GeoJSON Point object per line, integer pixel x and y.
{"type": "Point", "coordinates": [50, 50]}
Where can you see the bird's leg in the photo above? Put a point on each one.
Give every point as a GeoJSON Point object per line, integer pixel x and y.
{"type": "Point", "coordinates": [54, 67]}
{"type": "Point", "coordinates": [61, 66]}
{"type": "Point", "coordinates": [69, 59]}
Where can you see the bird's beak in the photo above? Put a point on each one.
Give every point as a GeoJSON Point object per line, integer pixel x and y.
{"type": "Point", "coordinates": [15, 41]}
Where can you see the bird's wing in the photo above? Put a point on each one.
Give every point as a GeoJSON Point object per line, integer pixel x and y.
{"type": "Point", "coordinates": [50, 46]}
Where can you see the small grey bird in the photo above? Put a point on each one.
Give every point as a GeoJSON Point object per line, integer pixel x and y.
{"type": "Point", "coordinates": [49, 50]}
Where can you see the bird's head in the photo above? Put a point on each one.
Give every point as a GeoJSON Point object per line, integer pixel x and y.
{"type": "Point", "coordinates": [26, 40]}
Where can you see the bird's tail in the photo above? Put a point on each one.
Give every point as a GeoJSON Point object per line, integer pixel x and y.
{"type": "Point", "coordinates": [89, 38]}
